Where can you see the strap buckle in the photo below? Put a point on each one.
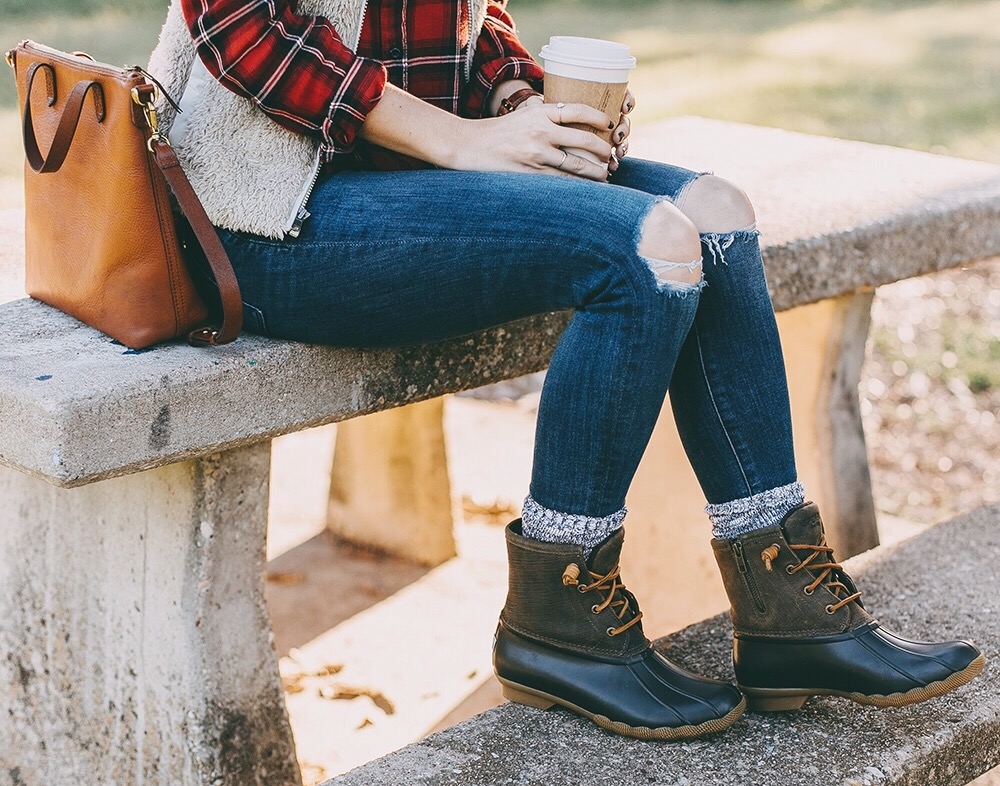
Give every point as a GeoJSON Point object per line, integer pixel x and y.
{"type": "Point", "coordinates": [148, 104]}
{"type": "Point", "coordinates": [203, 337]}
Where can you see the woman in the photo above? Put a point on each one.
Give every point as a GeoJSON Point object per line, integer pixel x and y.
{"type": "Point", "coordinates": [385, 173]}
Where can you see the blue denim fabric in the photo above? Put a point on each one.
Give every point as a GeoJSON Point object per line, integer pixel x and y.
{"type": "Point", "coordinates": [398, 258]}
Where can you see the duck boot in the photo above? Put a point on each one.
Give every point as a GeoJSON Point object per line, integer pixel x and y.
{"type": "Point", "coordinates": [570, 634]}
{"type": "Point", "coordinates": [800, 628]}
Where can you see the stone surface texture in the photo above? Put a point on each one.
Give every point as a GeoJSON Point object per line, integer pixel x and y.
{"type": "Point", "coordinates": [940, 584]}
{"type": "Point", "coordinates": [848, 216]}
{"type": "Point", "coordinates": [135, 646]}
{"type": "Point", "coordinates": [389, 486]}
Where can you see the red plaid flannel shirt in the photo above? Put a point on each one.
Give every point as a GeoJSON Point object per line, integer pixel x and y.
{"type": "Point", "coordinates": [299, 71]}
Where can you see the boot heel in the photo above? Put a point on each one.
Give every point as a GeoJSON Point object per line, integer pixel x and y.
{"type": "Point", "coordinates": [522, 697]}
{"type": "Point", "coordinates": [775, 703]}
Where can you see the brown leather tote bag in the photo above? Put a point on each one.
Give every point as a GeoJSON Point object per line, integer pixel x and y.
{"type": "Point", "coordinates": [101, 239]}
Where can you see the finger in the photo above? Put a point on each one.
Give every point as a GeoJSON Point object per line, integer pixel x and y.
{"type": "Point", "coordinates": [579, 113]}
{"type": "Point", "coordinates": [629, 103]}
{"type": "Point", "coordinates": [579, 166]}
{"type": "Point", "coordinates": [621, 150]}
{"type": "Point", "coordinates": [574, 137]}
{"type": "Point", "coordinates": [622, 131]}
{"type": "Point", "coordinates": [613, 164]}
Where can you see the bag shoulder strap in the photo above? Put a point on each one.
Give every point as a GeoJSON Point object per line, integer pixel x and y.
{"type": "Point", "coordinates": [222, 269]}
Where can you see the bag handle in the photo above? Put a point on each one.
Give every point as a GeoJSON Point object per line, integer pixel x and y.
{"type": "Point", "coordinates": [68, 121]}
{"type": "Point", "coordinates": [166, 160]}
{"type": "Point", "coordinates": [218, 260]}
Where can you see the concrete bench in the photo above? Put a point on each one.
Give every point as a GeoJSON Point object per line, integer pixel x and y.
{"type": "Point", "coordinates": [135, 638]}
{"type": "Point", "coordinates": [942, 583]}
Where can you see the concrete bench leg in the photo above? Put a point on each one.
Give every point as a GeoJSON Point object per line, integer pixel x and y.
{"type": "Point", "coordinates": [389, 486]}
{"type": "Point", "coordinates": [668, 561]}
{"type": "Point", "coordinates": [135, 645]}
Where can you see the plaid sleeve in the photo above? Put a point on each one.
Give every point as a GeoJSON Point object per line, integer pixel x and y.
{"type": "Point", "coordinates": [294, 67]}
{"type": "Point", "coordinates": [499, 57]}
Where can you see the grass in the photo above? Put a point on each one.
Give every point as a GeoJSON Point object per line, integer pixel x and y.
{"type": "Point", "coordinates": [921, 75]}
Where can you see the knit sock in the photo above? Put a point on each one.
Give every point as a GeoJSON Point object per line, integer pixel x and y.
{"type": "Point", "coordinates": [541, 523]}
{"type": "Point", "coordinates": [732, 519]}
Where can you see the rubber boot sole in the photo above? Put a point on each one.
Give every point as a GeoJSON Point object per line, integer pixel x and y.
{"type": "Point", "coordinates": [519, 694]}
{"type": "Point", "coordinates": [787, 699]}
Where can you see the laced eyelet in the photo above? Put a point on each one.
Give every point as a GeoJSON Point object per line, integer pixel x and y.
{"type": "Point", "coordinates": [594, 609]}
{"type": "Point", "coordinates": [581, 587]}
{"type": "Point", "coordinates": [611, 631]}
{"type": "Point", "coordinates": [808, 591]}
{"type": "Point", "coordinates": [789, 568]}
{"type": "Point", "coordinates": [830, 609]}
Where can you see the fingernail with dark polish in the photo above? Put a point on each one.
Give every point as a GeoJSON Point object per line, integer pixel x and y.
{"type": "Point", "coordinates": [611, 124]}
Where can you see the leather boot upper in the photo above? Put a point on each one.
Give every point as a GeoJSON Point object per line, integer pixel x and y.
{"type": "Point", "coordinates": [558, 597]}
{"type": "Point", "coordinates": [782, 581]}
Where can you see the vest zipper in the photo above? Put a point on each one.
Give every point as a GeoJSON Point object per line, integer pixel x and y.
{"type": "Point", "coordinates": [741, 563]}
{"type": "Point", "coordinates": [298, 218]}
{"type": "Point", "coordinates": [473, 35]}
{"type": "Point", "coordinates": [361, 25]}
{"type": "Point", "coordinates": [294, 227]}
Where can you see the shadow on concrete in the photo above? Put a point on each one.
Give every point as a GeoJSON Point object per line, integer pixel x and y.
{"type": "Point", "coordinates": [326, 580]}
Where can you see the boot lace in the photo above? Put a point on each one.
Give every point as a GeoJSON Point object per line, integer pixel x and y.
{"type": "Point", "coordinates": [825, 575]}
{"type": "Point", "coordinates": [610, 584]}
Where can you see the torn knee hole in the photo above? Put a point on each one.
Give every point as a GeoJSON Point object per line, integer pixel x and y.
{"type": "Point", "coordinates": [717, 206]}
{"type": "Point", "coordinates": [667, 240]}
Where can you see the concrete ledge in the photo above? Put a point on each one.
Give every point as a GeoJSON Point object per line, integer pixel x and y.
{"type": "Point", "coordinates": [79, 407]}
{"type": "Point", "coordinates": [836, 217]}
{"type": "Point", "coordinates": [940, 584]}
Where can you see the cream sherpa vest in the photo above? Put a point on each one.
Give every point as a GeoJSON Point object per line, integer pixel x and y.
{"type": "Point", "coordinates": [251, 174]}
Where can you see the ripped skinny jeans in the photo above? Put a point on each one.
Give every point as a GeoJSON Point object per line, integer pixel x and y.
{"type": "Point", "coordinates": [389, 259]}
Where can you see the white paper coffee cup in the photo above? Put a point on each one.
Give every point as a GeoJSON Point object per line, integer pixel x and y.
{"type": "Point", "coordinates": [587, 71]}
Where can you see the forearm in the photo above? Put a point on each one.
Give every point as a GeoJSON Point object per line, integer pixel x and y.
{"type": "Point", "coordinates": [408, 125]}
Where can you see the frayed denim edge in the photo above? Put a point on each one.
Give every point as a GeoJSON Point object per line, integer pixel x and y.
{"type": "Point", "coordinates": [718, 242]}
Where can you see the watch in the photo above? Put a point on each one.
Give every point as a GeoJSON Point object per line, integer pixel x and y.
{"type": "Point", "coordinates": [515, 99]}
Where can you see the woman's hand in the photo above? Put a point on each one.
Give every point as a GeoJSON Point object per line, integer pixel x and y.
{"type": "Point", "coordinates": [531, 139]}
{"type": "Point", "coordinates": [620, 136]}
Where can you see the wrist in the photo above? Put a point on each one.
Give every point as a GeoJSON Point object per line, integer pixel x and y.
{"type": "Point", "coordinates": [500, 91]}
{"type": "Point", "coordinates": [515, 99]}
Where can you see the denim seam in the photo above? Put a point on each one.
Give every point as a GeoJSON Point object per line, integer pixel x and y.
{"type": "Point", "coordinates": [715, 407]}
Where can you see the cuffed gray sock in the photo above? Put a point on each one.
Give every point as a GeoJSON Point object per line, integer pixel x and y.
{"type": "Point", "coordinates": [552, 526]}
{"type": "Point", "coordinates": [732, 519]}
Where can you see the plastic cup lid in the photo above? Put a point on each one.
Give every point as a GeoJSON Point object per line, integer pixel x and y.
{"type": "Point", "coordinates": [587, 52]}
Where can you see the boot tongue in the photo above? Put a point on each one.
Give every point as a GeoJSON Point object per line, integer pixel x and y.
{"type": "Point", "coordinates": [603, 561]}
{"type": "Point", "coordinates": [604, 557]}
{"type": "Point", "coordinates": [803, 526]}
